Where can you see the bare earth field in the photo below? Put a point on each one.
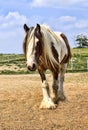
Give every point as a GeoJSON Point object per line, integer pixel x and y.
{"type": "Point", "coordinates": [21, 95]}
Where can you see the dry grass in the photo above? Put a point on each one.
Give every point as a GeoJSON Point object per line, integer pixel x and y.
{"type": "Point", "coordinates": [21, 95]}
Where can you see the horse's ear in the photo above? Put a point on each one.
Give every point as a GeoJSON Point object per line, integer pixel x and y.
{"type": "Point", "coordinates": [26, 28]}
{"type": "Point", "coordinates": [38, 28]}
{"type": "Point", "coordinates": [38, 31]}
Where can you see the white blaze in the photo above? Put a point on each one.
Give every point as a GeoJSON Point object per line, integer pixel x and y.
{"type": "Point", "coordinates": [31, 51]}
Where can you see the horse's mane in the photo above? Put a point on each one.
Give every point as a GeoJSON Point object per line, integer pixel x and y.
{"type": "Point", "coordinates": [48, 36]}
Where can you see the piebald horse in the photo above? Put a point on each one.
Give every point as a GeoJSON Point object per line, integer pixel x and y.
{"type": "Point", "coordinates": [45, 49]}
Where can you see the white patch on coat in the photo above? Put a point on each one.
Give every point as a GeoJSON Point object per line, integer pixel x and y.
{"type": "Point", "coordinates": [61, 47]}
{"type": "Point", "coordinates": [48, 37]}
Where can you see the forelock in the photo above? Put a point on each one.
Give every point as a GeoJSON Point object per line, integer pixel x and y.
{"type": "Point", "coordinates": [26, 38]}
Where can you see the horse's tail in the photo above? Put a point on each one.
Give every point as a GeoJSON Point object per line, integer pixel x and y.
{"type": "Point", "coordinates": [68, 56]}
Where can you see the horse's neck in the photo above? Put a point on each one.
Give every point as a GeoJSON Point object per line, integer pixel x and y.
{"type": "Point", "coordinates": [42, 62]}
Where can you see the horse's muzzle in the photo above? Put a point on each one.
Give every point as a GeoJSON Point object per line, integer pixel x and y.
{"type": "Point", "coordinates": [32, 68]}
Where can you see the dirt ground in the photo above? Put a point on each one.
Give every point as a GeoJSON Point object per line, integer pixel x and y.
{"type": "Point", "coordinates": [21, 95]}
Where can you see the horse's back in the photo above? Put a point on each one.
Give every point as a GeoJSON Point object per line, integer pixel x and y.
{"type": "Point", "coordinates": [63, 47]}
{"type": "Point", "coordinates": [59, 41]}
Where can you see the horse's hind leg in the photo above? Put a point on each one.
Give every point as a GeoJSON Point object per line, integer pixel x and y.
{"type": "Point", "coordinates": [55, 86]}
{"type": "Point", "coordinates": [61, 80]}
{"type": "Point", "coordinates": [57, 92]}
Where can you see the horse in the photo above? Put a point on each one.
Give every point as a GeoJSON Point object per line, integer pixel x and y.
{"type": "Point", "coordinates": [45, 49]}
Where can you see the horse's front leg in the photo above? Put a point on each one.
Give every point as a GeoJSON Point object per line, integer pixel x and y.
{"type": "Point", "coordinates": [47, 101]}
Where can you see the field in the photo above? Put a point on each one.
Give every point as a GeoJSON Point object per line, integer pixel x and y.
{"type": "Point", "coordinates": [21, 95]}
{"type": "Point", "coordinates": [16, 64]}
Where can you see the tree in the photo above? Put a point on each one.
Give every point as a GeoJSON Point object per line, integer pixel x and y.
{"type": "Point", "coordinates": [81, 41]}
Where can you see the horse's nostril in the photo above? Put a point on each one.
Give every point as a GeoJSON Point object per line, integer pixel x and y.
{"type": "Point", "coordinates": [34, 66]}
{"type": "Point", "coordinates": [28, 67]}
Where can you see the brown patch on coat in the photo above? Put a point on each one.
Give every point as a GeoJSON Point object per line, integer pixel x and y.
{"type": "Point", "coordinates": [39, 50]}
{"type": "Point", "coordinates": [68, 56]}
{"type": "Point", "coordinates": [45, 62]}
{"type": "Point", "coordinates": [54, 51]}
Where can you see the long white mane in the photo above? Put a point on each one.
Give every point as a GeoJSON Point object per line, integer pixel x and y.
{"type": "Point", "coordinates": [48, 37]}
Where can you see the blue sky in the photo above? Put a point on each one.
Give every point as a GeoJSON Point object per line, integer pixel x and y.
{"type": "Point", "coordinates": [67, 16]}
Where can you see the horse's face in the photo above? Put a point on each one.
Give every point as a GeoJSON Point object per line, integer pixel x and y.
{"type": "Point", "coordinates": [32, 46]}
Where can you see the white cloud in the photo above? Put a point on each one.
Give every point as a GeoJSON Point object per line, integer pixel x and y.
{"type": "Point", "coordinates": [81, 24]}
{"type": "Point", "coordinates": [68, 23]}
{"type": "Point", "coordinates": [39, 3]}
{"type": "Point", "coordinates": [67, 19]}
{"type": "Point", "coordinates": [11, 32]}
{"type": "Point", "coordinates": [13, 19]}
{"type": "Point", "coordinates": [54, 3]}
{"type": "Point", "coordinates": [71, 2]}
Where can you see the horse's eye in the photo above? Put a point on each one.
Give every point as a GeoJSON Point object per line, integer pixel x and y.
{"type": "Point", "coordinates": [37, 43]}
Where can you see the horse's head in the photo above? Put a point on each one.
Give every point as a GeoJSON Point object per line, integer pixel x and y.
{"type": "Point", "coordinates": [32, 46]}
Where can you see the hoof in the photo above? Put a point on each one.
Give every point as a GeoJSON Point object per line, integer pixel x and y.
{"type": "Point", "coordinates": [47, 104]}
{"type": "Point", "coordinates": [61, 97]}
{"type": "Point", "coordinates": [54, 98]}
